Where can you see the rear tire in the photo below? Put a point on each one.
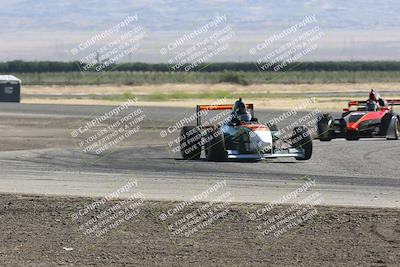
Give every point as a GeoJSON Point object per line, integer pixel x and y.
{"type": "Point", "coordinates": [215, 150]}
{"type": "Point", "coordinates": [302, 140]}
{"type": "Point", "coordinates": [324, 133]}
{"type": "Point", "coordinates": [190, 143]}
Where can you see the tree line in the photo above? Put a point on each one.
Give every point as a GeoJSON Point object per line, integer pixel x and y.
{"type": "Point", "coordinates": [19, 66]}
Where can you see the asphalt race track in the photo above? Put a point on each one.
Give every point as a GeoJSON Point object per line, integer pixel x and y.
{"type": "Point", "coordinates": [38, 155]}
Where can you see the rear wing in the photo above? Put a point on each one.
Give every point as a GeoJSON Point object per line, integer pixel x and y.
{"type": "Point", "coordinates": [357, 103]}
{"type": "Point", "coordinates": [390, 102]}
{"type": "Point", "coordinates": [393, 102]}
{"type": "Point", "coordinates": [200, 109]}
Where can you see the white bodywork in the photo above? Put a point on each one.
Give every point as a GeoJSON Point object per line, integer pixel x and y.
{"type": "Point", "coordinates": [262, 144]}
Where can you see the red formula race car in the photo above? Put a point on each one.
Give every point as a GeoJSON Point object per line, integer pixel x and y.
{"type": "Point", "coordinates": [362, 119]}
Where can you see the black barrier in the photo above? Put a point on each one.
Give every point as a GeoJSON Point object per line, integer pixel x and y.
{"type": "Point", "coordinates": [10, 89]}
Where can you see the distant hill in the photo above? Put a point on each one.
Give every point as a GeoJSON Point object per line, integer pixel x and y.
{"type": "Point", "coordinates": [48, 29]}
{"type": "Point", "coordinates": [177, 15]}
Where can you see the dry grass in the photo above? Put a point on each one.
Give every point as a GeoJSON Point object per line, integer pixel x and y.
{"type": "Point", "coordinates": [322, 103]}
{"type": "Point", "coordinates": [200, 88]}
{"type": "Point", "coordinates": [270, 96]}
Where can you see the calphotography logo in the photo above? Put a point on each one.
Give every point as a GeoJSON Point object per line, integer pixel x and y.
{"type": "Point", "coordinates": [184, 219]}
{"type": "Point", "coordinates": [110, 46]}
{"type": "Point", "coordinates": [110, 129]}
{"type": "Point", "coordinates": [275, 220]}
{"type": "Point", "coordinates": [299, 40]}
{"type": "Point", "coordinates": [192, 50]}
{"type": "Point", "coordinates": [106, 214]}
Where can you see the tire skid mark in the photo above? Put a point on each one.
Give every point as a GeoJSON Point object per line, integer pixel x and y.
{"type": "Point", "coordinates": [387, 231]}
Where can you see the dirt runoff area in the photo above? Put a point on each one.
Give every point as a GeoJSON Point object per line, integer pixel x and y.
{"type": "Point", "coordinates": [48, 231]}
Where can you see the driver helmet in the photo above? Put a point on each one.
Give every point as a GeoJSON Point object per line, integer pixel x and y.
{"type": "Point", "coordinates": [373, 96]}
{"type": "Point", "coordinates": [371, 105]}
{"type": "Point", "coordinates": [245, 117]}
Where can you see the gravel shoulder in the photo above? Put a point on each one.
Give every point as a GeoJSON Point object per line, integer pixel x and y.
{"type": "Point", "coordinates": [39, 231]}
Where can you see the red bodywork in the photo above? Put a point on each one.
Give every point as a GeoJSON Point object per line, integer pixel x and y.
{"type": "Point", "coordinates": [255, 127]}
{"type": "Point", "coordinates": [370, 115]}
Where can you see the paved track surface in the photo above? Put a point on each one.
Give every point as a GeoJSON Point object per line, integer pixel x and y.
{"type": "Point", "coordinates": [38, 155]}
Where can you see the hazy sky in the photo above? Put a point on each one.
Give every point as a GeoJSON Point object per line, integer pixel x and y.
{"type": "Point", "coordinates": [50, 29]}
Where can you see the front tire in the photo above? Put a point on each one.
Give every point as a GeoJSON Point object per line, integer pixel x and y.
{"type": "Point", "coordinates": [215, 150]}
{"type": "Point", "coordinates": [190, 143]}
{"type": "Point", "coordinates": [396, 130]}
{"type": "Point", "coordinates": [324, 133]}
{"type": "Point", "coordinates": [302, 140]}
{"type": "Point", "coordinates": [352, 136]}
{"type": "Point", "coordinates": [273, 127]}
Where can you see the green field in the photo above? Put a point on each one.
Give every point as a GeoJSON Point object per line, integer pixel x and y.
{"type": "Point", "coordinates": [244, 78]}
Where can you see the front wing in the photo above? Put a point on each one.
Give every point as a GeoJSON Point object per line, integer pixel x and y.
{"type": "Point", "coordinates": [291, 152]}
